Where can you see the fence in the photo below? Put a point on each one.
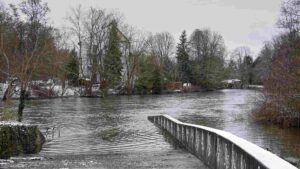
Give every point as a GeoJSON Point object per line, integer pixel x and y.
{"type": "Point", "coordinates": [219, 149]}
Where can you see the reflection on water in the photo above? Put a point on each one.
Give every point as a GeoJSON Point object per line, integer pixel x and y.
{"type": "Point", "coordinates": [75, 129]}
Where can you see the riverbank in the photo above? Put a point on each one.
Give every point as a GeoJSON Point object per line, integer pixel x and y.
{"type": "Point", "coordinates": [268, 114]}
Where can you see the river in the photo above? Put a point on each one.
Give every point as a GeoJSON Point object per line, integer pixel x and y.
{"type": "Point", "coordinates": [114, 132]}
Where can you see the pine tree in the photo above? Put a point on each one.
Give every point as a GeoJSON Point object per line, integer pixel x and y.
{"type": "Point", "coordinates": [183, 59]}
{"type": "Point", "coordinates": [112, 61]}
{"type": "Point", "coordinates": [156, 78]}
{"type": "Point", "coordinates": [72, 69]}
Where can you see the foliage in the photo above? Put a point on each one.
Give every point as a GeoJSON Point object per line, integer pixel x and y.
{"type": "Point", "coordinates": [184, 67]}
{"type": "Point", "coordinates": [208, 73]}
{"type": "Point", "coordinates": [262, 64]}
{"type": "Point", "coordinates": [7, 114]}
{"type": "Point", "coordinates": [231, 70]}
{"type": "Point", "coordinates": [112, 60]}
{"type": "Point", "coordinates": [72, 69]}
{"type": "Point", "coordinates": [109, 134]}
{"type": "Point", "coordinates": [208, 50]}
{"type": "Point", "coordinates": [156, 78]}
{"type": "Point", "coordinates": [149, 76]}
{"type": "Point", "coordinates": [282, 85]}
{"type": "Point", "coordinates": [29, 39]}
{"type": "Point", "coordinates": [246, 70]}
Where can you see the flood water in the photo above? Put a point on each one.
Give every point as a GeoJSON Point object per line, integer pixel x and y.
{"type": "Point", "coordinates": [114, 132]}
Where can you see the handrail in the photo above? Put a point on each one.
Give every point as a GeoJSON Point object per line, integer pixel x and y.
{"type": "Point", "coordinates": [220, 149]}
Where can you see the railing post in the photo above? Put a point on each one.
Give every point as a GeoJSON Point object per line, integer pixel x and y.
{"type": "Point", "coordinates": [199, 143]}
{"type": "Point", "coordinates": [165, 123]}
{"type": "Point", "coordinates": [159, 120]}
{"type": "Point", "coordinates": [187, 131]}
{"type": "Point", "coordinates": [175, 130]}
{"type": "Point", "coordinates": [205, 145]}
{"type": "Point", "coordinates": [180, 133]}
{"type": "Point", "coordinates": [169, 126]}
{"type": "Point", "coordinates": [184, 135]}
{"type": "Point", "coordinates": [194, 139]}
{"type": "Point", "coordinates": [214, 149]}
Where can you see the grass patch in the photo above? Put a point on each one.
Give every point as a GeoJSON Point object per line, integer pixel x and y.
{"type": "Point", "coordinates": [8, 115]}
{"type": "Point", "coordinates": [108, 134]}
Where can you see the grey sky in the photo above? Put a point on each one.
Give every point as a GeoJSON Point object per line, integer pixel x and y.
{"type": "Point", "coordinates": [240, 22]}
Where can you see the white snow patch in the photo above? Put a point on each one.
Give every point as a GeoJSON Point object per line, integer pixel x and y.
{"type": "Point", "coordinates": [6, 162]}
{"type": "Point", "coordinates": [13, 123]}
{"type": "Point", "coordinates": [27, 158]}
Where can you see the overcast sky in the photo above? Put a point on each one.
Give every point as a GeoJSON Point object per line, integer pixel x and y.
{"type": "Point", "coordinates": [240, 22]}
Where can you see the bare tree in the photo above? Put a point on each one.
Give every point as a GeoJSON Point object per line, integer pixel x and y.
{"type": "Point", "coordinates": [137, 47]}
{"type": "Point", "coordinates": [242, 55]}
{"type": "Point", "coordinates": [96, 34]}
{"type": "Point", "coordinates": [29, 40]}
{"type": "Point", "coordinates": [76, 27]}
{"type": "Point", "coordinates": [161, 45]}
{"type": "Point", "coordinates": [262, 64]}
{"type": "Point", "coordinates": [290, 16]}
{"type": "Point", "coordinates": [205, 43]}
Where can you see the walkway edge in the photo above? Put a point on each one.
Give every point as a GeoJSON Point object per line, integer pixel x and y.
{"type": "Point", "coordinates": [220, 149]}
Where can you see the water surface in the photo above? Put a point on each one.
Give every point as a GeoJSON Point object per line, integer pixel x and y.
{"type": "Point", "coordinates": [75, 127]}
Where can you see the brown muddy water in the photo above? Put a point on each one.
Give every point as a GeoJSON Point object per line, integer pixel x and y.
{"type": "Point", "coordinates": [114, 132]}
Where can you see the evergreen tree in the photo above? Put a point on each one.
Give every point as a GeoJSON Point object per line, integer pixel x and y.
{"type": "Point", "coordinates": [112, 61]}
{"type": "Point", "coordinates": [246, 70]}
{"type": "Point", "coordinates": [208, 73]}
{"type": "Point", "coordinates": [156, 78]}
{"type": "Point", "coordinates": [184, 69]}
{"type": "Point", "coordinates": [149, 76]}
{"type": "Point", "coordinates": [72, 69]}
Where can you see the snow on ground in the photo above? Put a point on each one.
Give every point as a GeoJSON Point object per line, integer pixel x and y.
{"type": "Point", "coordinates": [58, 90]}
{"type": "Point", "coordinates": [13, 123]}
{"type": "Point", "coordinates": [66, 92]}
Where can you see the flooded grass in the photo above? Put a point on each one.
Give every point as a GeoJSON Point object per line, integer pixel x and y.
{"type": "Point", "coordinates": [7, 115]}
{"type": "Point", "coordinates": [109, 134]}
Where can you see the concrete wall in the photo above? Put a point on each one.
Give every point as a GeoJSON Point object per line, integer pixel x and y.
{"type": "Point", "coordinates": [219, 149]}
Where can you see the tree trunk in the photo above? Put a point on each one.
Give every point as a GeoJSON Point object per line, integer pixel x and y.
{"type": "Point", "coordinates": [21, 104]}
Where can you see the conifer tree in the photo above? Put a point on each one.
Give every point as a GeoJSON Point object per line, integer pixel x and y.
{"type": "Point", "coordinates": [72, 69]}
{"type": "Point", "coordinates": [183, 59]}
{"type": "Point", "coordinates": [112, 61]}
